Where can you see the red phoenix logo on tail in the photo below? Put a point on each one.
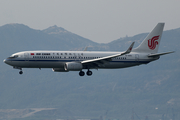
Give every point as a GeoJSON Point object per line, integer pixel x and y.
{"type": "Point", "coordinates": [152, 42]}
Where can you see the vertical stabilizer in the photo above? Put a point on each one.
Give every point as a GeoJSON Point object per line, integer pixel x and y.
{"type": "Point", "coordinates": [151, 43]}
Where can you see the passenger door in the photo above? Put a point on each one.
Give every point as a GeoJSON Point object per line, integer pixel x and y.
{"type": "Point", "coordinates": [26, 56]}
{"type": "Point", "coordinates": [137, 58]}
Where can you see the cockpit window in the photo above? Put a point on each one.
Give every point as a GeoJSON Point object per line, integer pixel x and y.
{"type": "Point", "coordinates": [14, 56]}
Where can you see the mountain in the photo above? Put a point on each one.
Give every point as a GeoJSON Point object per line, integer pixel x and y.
{"type": "Point", "coordinates": [28, 38]}
{"type": "Point", "coordinates": [148, 90]}
{"type": "Point", "coordinates": [73, 40]}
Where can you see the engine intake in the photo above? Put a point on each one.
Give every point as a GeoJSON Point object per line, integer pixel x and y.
{"type": "Point", "coordinates": [73, 66]}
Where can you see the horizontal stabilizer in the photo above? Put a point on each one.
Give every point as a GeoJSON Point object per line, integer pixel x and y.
{"type": "Point", "coordinates": [159, 54]}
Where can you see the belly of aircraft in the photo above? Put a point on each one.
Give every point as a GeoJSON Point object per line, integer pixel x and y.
{"type": "Point", "coordinates": [59, 64]}
{"type": "Point", "coordinates": [114, 65]}
{"type": "Point", "coordinates": [40, 64]}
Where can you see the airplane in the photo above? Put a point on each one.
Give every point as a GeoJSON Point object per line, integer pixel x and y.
{"type": "Point", "coordinates": [65, 61]}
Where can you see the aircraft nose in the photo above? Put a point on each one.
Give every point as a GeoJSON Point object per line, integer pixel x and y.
{"type": "Point", "coordinates": [8, 61]}
{"type": "Point", "coordinates": [4, 60]}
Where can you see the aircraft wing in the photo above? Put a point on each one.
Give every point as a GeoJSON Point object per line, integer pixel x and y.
{"type": "Point", "coordinates": [107, 58]}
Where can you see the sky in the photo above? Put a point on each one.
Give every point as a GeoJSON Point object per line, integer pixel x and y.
{"type": "Point", "coordinates": [101, 21]}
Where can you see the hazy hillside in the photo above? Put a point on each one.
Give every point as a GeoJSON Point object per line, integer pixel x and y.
{"type": "Point", "coordinates": [151, 90]}
{"type": "Point", "coordinates": [21, 37]}
{"type": "Point", "coordinates": [73, 40]}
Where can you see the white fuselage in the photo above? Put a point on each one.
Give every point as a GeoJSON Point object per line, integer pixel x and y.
{"type": "Point", "coordinates": [57, 59]}
{"type": "Point", "coordinates": [64, 61]}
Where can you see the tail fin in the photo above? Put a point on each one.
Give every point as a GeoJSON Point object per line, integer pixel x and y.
{"type": "Point", "coordinates": [151, 43]}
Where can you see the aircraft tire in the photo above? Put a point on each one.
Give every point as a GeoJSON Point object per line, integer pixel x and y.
{"type": "Point", "coordinates": [89, 73]}
{"type": "Point", "coordinates": [20, 72]}
{"type": "Point", "coordinates": [81, 73]}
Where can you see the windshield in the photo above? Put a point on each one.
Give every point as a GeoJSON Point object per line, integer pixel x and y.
{"type": "Point", "coordinates": [13, 56]}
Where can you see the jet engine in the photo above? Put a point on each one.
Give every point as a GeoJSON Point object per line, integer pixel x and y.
{"type": "Point", "coordinates": [73, 66]}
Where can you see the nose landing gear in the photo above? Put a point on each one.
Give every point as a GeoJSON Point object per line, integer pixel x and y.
{"type": "Point", "coordinates": [20, 72]}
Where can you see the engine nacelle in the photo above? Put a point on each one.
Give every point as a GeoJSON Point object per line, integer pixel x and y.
{"type": "Point", "coordinates": [73, 66]}
{"type": "Point", "coordinates": [59, 70]}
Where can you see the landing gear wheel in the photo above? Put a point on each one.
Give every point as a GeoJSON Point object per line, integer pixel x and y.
{"type": "Point", "coordinates": [20, 72]}
{"type": "Point", "coordinates": [89, 73]}
{"type": "Point", "coordinates": [81, 73]}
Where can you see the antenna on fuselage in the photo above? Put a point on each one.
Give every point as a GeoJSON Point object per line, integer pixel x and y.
{"type": "Point", "coordinates": [85, 49]}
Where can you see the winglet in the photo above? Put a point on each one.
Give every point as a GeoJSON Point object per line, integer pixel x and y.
{"type": "Point", "coordinates": [129, 49]}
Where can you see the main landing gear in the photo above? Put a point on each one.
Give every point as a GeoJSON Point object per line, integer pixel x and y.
{"type": "Point", "coordinates": [88, 73]}
{"type": "Point", "coordinates": [81, 73]}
